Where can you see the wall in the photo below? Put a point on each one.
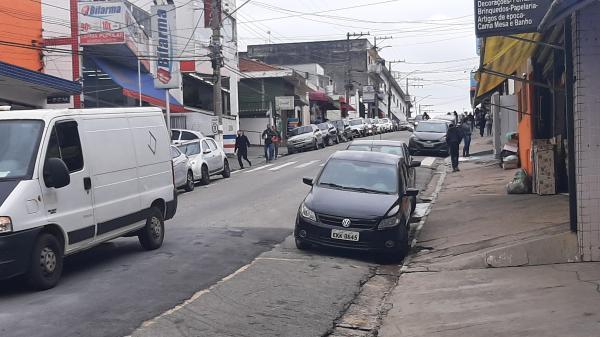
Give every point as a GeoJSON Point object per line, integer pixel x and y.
{"type": "Point", "coordinates": [253, 128]}
{"type": "Point", "coordinates": [525, 96]}
{"type": "Point", "coordinates": [586, 50]}
{"type": "Point", "coordinates": [21, 23]}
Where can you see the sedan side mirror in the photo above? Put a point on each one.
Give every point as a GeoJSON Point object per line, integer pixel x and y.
{"type": "Point", "coordinates": [412, 192]}
{"type": "Point", "coordinates": [308, 181]}
{"type": "Point", "coordinates": [56, 173]}
{"type": "Point", "coordinates": [415, 163]}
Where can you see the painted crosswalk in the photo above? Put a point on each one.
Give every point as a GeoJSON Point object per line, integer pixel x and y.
{"type": "Point", "coordinates": [260, 168]}
{"type": "Point", "coordinates": [307, 164]}
{"type": "Point", "coordinates": [277, 168]}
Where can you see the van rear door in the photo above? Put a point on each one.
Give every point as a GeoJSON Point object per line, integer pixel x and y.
{"type": "Point", "coordinates": [69, 207]}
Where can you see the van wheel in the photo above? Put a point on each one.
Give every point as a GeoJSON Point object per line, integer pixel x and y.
{"type": "Point", "coordinates": [190, 183]}
{"type": "Point", "coordinates": [226, 170]}
{"type": "Point", "coordinates": [46, 262]}
{"type": "Point", "coordinates": [152, 235]}
{"type": "Point", "coordinates": [205, 179]}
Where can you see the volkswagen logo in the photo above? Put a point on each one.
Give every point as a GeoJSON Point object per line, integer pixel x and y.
{"type": "Point", "coordinates": [346, 223]}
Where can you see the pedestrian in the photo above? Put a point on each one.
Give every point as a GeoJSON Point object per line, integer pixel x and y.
{"type": "Point", "coordinates": [425, 116]}
{"type": "Point", "coordinates": [471, 120]}
{"type": "Point", "coordinates": [241, 148]}
{"type": "Point", "coordinates": [467, 131]}
{"type": "Point", "coordinates": [453, 138]}
{"type": "Point", "coordinates": [488, 124]}
{"type": "Point", "coordinates": [456, 120]}
{"type": "Point", "coordinates": [276, 140]}
{"type": "Point", "coordinates": [482, 123]}
{"type": "Point", "coordinates": [267, 137]}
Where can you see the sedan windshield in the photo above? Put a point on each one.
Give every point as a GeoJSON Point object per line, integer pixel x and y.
{"type": "Point", "coordinates": [301, 130]}
{"type": "Point", "coordinates": [431, 127]}
{"type": "Point", "coordinates": [359, 176]}
{"type": "Point", "coordinates": [18, 148]}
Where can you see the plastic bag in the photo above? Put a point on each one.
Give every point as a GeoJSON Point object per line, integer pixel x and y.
{"type": "Point", "coordinates": [520, 183]}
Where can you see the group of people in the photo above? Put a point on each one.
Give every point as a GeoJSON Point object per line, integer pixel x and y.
{"type": "Point", "coordinates": [484, 121]}
{"type": "Point", "coordinates": [271, 138]}
{"type": "Point", "coordinates": [462, 131]}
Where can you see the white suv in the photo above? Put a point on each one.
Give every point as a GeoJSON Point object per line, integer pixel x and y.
{"type": "Point", "coordinates": [207, 159]}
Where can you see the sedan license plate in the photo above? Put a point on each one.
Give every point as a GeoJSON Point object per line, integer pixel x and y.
{"type": "Point", "coordinates": [428, 145]}
{"type": "Point", "coordinates": [344, 235]}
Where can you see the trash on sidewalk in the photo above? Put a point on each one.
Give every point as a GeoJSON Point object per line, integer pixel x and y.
{"type": "Point", "coordinates": [510, 163]}
{"type": "Point", "coordinates": [520, 183]}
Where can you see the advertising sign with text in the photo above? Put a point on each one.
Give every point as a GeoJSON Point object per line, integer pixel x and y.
{"type": "Point", "coordinates": [101, 22]}
{"type": "Point", "coordinates": [507, 17]}
{"type": "Point", "coordinates": [167, 68]}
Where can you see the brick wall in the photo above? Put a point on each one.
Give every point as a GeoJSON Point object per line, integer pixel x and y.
{"type": "Point", "coordinates": [586, 52]}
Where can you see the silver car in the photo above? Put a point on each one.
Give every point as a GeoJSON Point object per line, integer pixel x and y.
{"type": "Point", "coordinates": [182, 170]}
{"type": "Point", "coordinates": [304, 138]}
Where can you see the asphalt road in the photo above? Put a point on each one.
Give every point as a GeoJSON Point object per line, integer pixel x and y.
{"type": "Point", "coordinates": [112, 289]}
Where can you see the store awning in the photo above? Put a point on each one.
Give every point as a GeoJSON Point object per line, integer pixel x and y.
{"type": "Point", "coordinates": [49, 85]}
{"type": "Point", "coordinates": [127, 78]}
{"type": "Point", "coordinates": [560, 9]}
{"type": "Point", "coordinates": [319, 96]}
{"type": "Point", "coordinates": [344, 105]}
{"type": "Point", "coordinates": [503, 55]}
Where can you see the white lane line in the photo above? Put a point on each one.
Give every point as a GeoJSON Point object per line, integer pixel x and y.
{"type": "Point", "coordinates": [428, 162]}
{"type": "Point", "coordinates": [307, 164]}
{"type": "Point", "coordinates": [321, 165]}
{"type": "Point", "coordinates": [260, 168]}
{"type": "Point", "coordinates": [238, 171]}
{"type": "Point", "coordinates": [277, 168]}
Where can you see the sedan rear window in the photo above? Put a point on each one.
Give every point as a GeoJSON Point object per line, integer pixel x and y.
{"type": "Point", "coordinates": [431, 127]}
{"type": "Point", "coordinates": [360, 176]}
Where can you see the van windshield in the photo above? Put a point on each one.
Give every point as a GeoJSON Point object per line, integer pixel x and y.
{"type": "Point", "coordinates": [18, 148]}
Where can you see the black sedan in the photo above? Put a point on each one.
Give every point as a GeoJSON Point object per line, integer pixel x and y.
{"type": "Point", "coordinates": [359, 201]}
{"type": "Point", "coordinates": [429, 137]}
{"type": "Point", "coordinates": [330, 133]}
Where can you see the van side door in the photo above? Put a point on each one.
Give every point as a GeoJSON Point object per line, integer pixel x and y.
{"type": "Point", "coordinates": [69, 207]}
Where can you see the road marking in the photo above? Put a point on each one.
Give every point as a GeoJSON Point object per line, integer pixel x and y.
{"type": "Point", "coordinates": [260, 168]}
{"type": "Point", "coordinates": [307, 164]}
{"type": "Point", "coordinates": [277, 168]}
{"type": "Point", "coordinates": [321, 165]}
{"type": "Point", "coordinates": [428, 162]}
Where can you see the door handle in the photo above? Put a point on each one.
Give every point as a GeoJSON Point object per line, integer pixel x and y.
{"type": "Point", "coordinates": [87, 183]}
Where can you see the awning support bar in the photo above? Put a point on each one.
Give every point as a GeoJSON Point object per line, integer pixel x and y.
{"type": "Point", "coordinates": [541, 43]}
{"type": "Point", "coordinates": [516, 78]}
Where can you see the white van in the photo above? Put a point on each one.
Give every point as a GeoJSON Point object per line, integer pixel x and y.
{"type": "Point", "coordinates": [72, 179]}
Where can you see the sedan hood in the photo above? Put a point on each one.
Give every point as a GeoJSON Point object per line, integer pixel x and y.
{"type": "Point", "coordinates": [429, 135]}
{"type": "Point", "coordinates": [349, 204]}
{"type": "Point", "coordinates": [301, 137]}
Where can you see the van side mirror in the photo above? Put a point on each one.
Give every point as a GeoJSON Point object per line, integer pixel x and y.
{"type": "Point", "coordinates": [307, 181]}
{"type": "Point", "coordinates": [415, 163]}
{"type": "Point", "coordinates": [56, 173]}
{"type": "Point", "coordinates": [207, 151]}
{"type": "Point", "coordinates": [412, 192]}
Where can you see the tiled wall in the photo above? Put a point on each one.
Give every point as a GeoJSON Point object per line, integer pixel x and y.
{"type": "Point", "coordinates": [586, 45]}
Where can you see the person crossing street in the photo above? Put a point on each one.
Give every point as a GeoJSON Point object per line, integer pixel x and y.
{"type": "Point", "coordinates": [241, 148]}
{"type": "Point", "coordinates": [267, 137]}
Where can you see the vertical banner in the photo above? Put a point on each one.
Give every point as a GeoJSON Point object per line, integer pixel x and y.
{"type": "Point", "coordinates": [167, 68]}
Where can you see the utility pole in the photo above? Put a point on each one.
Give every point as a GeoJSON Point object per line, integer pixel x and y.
{"type": "Point", "coordinates": [217, 63]}
{"type": "Point", "coordinates": [349, 84]}
{"type": "Point", "coordinates": [381, 38]}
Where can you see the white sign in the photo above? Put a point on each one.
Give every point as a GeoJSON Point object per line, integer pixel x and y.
{"type": "Point", "coordinates": [101, 23]}
{"type": "Point", "coordinates": [214, 121]}
{"type": "Point", "coordinates": [284, 103]}
{"type": "Point", "coordinates": [167, 69]}
{"type": "Point", "coordinates": [368, 94]}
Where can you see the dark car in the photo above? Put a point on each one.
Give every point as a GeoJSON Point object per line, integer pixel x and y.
{"type": "Point", "coordinates": [330, 133]}
{"type": "Point", "coordinates": [344, 131]}
{"type": "Point", "coordinates": [430, 137]}
{"type": "Point", "coordinates": [360, 201]}
{"type": "Point", "coordinates": [397, 148]}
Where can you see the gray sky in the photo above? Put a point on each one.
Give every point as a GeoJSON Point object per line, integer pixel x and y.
{"type": "Point", "coordinates": [436, 34]}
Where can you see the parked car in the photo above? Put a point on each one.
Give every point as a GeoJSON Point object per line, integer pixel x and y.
{"type": "Point", "coordinates": [182, 169]}
{"type": "Point", "coordinates": [207, 159]}
{"type": "Point", "coordinates": [73, 179]}
{"type": "Point", "coordinates": [330, 133]}
{"type": "Point", "coordinates": [343, 130]}
{"type": "Point", "coordinates": [388, 126]}
{"type": "Point", "coordinates": [179, 136]}
{"type": "Point", "coordinates": [405, 126]}
{"type": "Point", "coordinates": [429, 136]}
{"type": "Point", "coordinates": [371, 127]}
{"type": "Point", "coordinates": [305, 137]}
{"type": "Point", "coordinates": [358, 127]}
{"type": "Point", "coordinates": [377, 126]}
{"type": "Point", "coordinates": [358, 201]}
{"type": "Point", "coordinates": [417, 119]}
{"type": "Point", "coordinates": [397, 148]}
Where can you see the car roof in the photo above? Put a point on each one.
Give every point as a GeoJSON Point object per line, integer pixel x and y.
{"type": "Point", "coordinates": [369, 157]}
{"type": "Point", "coordinates": [398, 143]}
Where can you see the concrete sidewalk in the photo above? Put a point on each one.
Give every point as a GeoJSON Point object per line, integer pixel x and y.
{"type": "Point", "coordinates": [457, 282]}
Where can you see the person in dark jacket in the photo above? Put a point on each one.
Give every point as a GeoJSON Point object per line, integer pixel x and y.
{"type": "Point", "coordinates": [267, 137]}
{"type": "Point", "coordinates": [466, 129]}
{"type": "Point", "coordinates": [482, 121]}
{"type": "Point", "coordinates": [454, 136]}
{"type": "Point", "coordinates": [241, 148]}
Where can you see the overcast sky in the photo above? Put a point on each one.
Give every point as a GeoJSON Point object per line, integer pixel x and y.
{"type": "Point", "coordinates": [435, 37]}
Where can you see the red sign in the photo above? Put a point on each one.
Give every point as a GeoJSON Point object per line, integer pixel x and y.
{"type": "Point", "coordinates": [102, 38]}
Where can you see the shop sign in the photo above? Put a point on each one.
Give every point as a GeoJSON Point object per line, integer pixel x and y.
{"type": "Point", "coordinates": [58, 100]}
{"type": "Point", "coordinates": [508, 17]}
{"type": "Point", "coordinates": [284, 103]}
{"type": "Point", "coordinates": [101, 23]}
{"type": "Point", "coordinates": [167, 70]}
{"type": "Point", "coordinates": [368, 94]}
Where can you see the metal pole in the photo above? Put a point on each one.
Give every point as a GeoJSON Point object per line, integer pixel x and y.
{"type": "Point", "coordinates": [217, 62]}
{"type": "Point", "coordinates": [570, 121]}
{"type": "Point", "coordinates": [74, 16]}
{"type": "Point", "coordinates": [139, 64]}
{"type": "Point", "coordinates": [168, 103]}
{"type": "Point", "coordinates": [348, 74]}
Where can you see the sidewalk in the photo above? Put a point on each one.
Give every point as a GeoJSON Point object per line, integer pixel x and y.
{"type": "Point", "coordinates": [459, 284]}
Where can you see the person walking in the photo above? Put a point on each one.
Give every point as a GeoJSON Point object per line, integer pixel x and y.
{"type": "Point", "coordinates": [425, 116]}
{"type": "Point", "coordinates": [482, 123]}
{"type": "Point", "coordinates": [453, 138]}
{"type": "Point", "coordinates": [276, 141]}
{"type": "Point", "coordinates": [471, 120]}
{"type": "Point", "coordinates": [241, 148]}
{"type": "Point", "coordinates": [467, 131]}
{"type": "Point", "coordinates": [456, 120]}
{"type": "Point", "coordinates": [488, 124]}
{"type": "Point", "coordinates": [267, 137]}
